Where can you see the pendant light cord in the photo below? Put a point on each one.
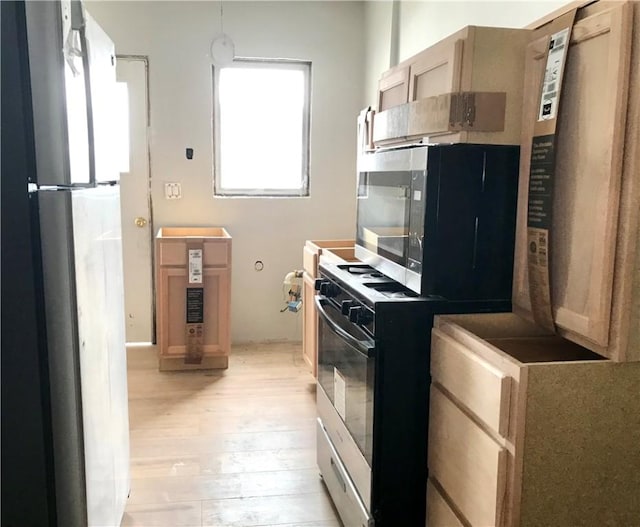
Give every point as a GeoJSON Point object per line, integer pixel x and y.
{"type": "Point", "coordinates": [221, 17]}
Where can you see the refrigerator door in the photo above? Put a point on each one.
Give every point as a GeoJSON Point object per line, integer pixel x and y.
{"type": "Point", "coordinates": [100, 304]}
{"type": "Point", "coordinates": [102, 82]}
{"type": "Point", "coordinates": [82, 276]}
{"type": "Point", "coordinates": [62, 342]}
{"type": "Point", "coordinates": [58, 90]}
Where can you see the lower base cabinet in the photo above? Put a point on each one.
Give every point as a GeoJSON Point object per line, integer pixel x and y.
{"type": "Point", "coordinates": [193, 297]}
{"type": "Point", "coordinates": [215, 338]}
{"type": "Point", "coordinates": [529, 429]}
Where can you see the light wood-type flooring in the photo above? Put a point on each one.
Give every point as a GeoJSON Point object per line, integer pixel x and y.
{"type": "Point", "coordinates": [225, 448]}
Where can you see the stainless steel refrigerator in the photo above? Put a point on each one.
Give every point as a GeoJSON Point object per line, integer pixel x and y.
{"type": "Point", "coordinates": [65, 430]}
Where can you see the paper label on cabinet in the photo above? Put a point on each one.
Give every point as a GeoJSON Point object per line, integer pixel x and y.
{"type": "Point", "coordinates": [195, 305]}
{"type": "Point", "coordinates": [339, 394]}
{"type": "Point", "coordinates": [542, 173]}
{"type": "Point", "coordinates": [558, 46]}
{"type": "Point", "coordinates": [195, 266]}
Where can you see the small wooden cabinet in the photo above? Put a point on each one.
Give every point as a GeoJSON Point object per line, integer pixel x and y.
{"type": "Point", "coordinates": [172, 281]}
{"type": "Point", "coordinates": [428, 94]}
{"type": "Point", "coordinates": [528, 428]}
{"type": "Point", "coordinates": [339, 251]}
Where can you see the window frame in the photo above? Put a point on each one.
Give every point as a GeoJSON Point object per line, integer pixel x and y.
{"type": "Point", "coordinates": [266, 63]}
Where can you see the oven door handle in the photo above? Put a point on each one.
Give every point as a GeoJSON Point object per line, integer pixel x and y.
{"type": "Point", "coordinates": [361, 346]}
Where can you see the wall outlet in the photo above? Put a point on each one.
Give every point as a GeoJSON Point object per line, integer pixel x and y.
{"type": "Point", "coordinates": [172, 190]}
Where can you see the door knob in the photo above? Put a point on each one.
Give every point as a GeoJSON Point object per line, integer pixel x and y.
{"type": "Point", "coordinates": [140, 222]}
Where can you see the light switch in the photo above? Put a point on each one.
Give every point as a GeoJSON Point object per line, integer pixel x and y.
{"type": "Point", "coordinates": [172, 190]}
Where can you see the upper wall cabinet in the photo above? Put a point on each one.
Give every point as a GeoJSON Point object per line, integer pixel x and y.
{"type": "Point", "coordinates": [393, 88]}
{"type": "Point", "coordinates": [465, 88]}
{"type": "Point", "coordinates": [594, 220]}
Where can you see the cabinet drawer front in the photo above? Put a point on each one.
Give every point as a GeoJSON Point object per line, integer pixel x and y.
{"type": "Point", "coordinates": [469, 465]}
{"type": "Point", "coordinates": [175, 253]}
{"type": "Point", "coordinates": [478, 385]}
{"type": "Point", "coordinates": [216, 253]}
{"type": "Point", "coordinates": [439, 514]}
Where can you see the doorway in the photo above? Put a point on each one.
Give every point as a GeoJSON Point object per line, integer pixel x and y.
{"type": "Point", "coordinates": [136, 205]}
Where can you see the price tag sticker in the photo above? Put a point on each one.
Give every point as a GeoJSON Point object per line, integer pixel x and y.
{"type": "Point", "coordinates": [195, 266]}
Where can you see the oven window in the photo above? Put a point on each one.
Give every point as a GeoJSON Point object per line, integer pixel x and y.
{"type": "Point", "coordinates": [346, 375]}
{"type": "Point", "coordinates": [383, 213]}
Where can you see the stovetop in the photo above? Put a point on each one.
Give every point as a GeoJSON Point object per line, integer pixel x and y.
{"type": "Point", "coordinates": [369, 285]}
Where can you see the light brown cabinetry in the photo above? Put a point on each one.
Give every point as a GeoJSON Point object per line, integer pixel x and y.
{"type": "Point", "coordinates": [393, 88]}
{"type": "Point", "coordinates": [339, 251]}
{"type": "Point", "coordinates": [172, 282]}
{"type": "Point", "coordinates": [543, 431]}
{"type": "Point", "coordinates": [465, 88]}
{"type": "Point", "coordinates": [529, 428]}
{"type": "Point", "coordinates": [593, 236]}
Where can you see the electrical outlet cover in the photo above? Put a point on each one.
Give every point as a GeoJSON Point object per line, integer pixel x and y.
{"type": "Point", "coordinates": [172, 190]}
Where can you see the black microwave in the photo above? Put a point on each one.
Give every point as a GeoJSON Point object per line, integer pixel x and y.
{"type": "Point", "coordinates": [440, 219]}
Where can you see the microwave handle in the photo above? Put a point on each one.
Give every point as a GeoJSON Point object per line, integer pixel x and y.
{"type": "Point", "coordinates": [360, 346]}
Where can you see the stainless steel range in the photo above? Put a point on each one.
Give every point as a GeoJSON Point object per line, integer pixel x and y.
{"type": "Point", "coordinates": [373, 392]}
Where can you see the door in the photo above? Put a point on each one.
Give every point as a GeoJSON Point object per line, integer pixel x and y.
{"type": "Point", "coordinates": [137, 225]}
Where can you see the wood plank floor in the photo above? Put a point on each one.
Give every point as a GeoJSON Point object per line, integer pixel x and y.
{"type": "Point", "coordinates": [225, 448]}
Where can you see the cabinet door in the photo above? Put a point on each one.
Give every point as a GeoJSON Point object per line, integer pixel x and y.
{"type": "Point", "coordinates": [589, 140]}
{"type": "Point", "coordinates": [437, 70]}
{"type": "Point", "coordinates": [393, 88]}
{"type": "Point", "coordinates": [173, 311]}
{"type": "Point", "coordinates": [310, 325]}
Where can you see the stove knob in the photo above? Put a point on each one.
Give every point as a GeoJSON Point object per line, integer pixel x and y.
{"type": "Point", "coordinates": [318, 282]}
{"type": "Point", "coordinates": [354, 314]}
{"type": "Point", "coordinates": [359, 315]}
{"type": "Point", "coordinates": [329, 289]}
{"type": "Point", "coordinates": [364, 317]}
{"type": "Point", "coordinates": [345, 306]}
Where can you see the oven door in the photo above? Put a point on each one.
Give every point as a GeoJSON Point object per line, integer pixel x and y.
{"type": "Point", "coordinates": [346, 370]}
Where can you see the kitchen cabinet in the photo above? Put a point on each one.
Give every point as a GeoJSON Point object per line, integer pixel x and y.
{"type": "Point", "coordinates": [528, 428]}
{"type": "Point", "coordinates": [393, 88]}
{"type": "Point", "coordinates": [429, 93]}
{"type": "Point", "coordinates": [593, 248]}
{"type": "Point", "coordinates": [172, 281]}
{"type": "Point", "coordinates": [332, 250]}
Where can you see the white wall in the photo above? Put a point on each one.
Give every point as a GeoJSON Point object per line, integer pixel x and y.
{"type": "Point", "coordinates": [176, 38]}
{"type": "Point", "coordinates": [423, 23]}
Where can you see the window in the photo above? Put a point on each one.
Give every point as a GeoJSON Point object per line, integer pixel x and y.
{"type": "Point", "coordinates": [261, 128]}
